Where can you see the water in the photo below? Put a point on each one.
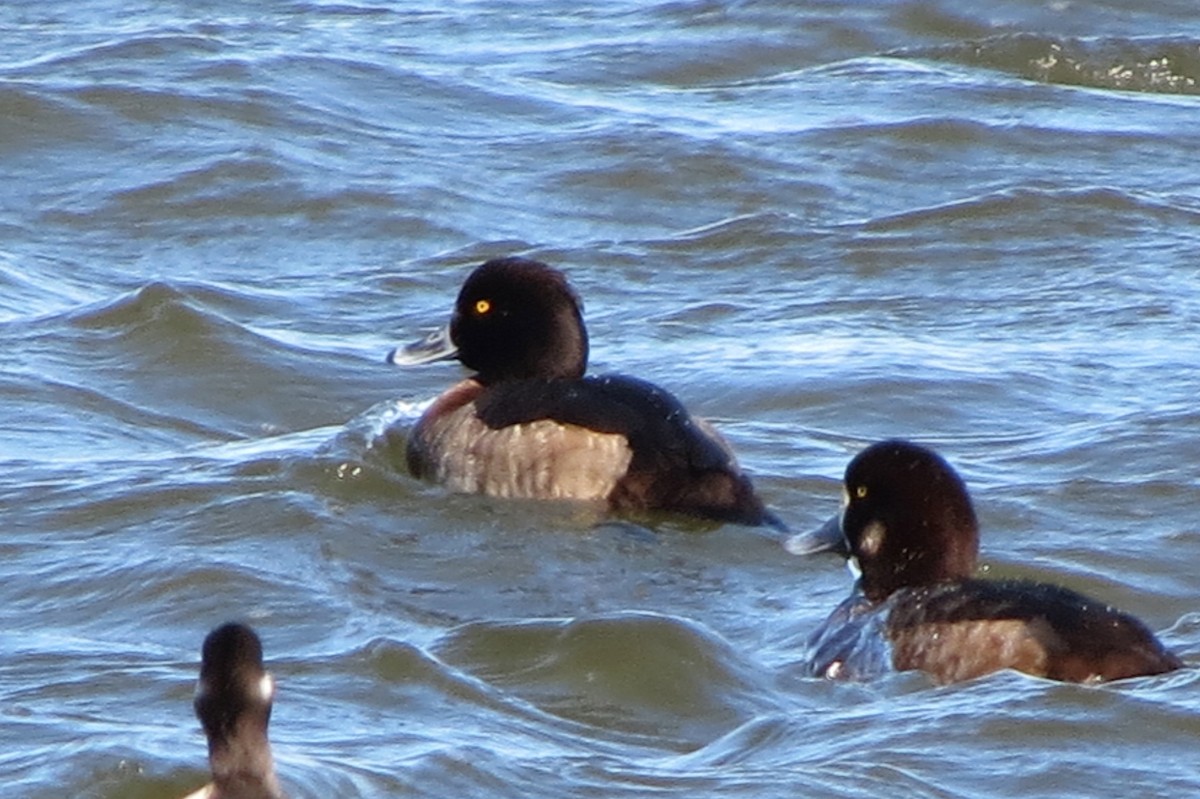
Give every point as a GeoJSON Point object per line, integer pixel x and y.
{"type": "Point", "coordinates": [818, 224]}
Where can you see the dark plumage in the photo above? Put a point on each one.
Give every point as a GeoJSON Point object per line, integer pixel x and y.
{"type": "Point", "coordinates": [529, 424]}
{"type": "Point", "coordinates": [908, 522]}
{"type": "Point", "coordinates": [233, 703]}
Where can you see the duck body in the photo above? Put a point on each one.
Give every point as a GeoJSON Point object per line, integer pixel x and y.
{"type": "Point", "coordinates": [614, 439]}
{"type": "Point", "coordinates": [963, 629]}
{"type": "Point", "coordinates": [529, 423]}
{"type": "Point", "coordinates": [908, 523]}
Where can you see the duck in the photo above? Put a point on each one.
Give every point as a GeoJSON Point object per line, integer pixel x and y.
{"type": "Point", "coordinates": [529, 423]}
{"type": "Point", "coordinates": [233, 702]}
{"type": "Point", "coordinates": [908, 524]}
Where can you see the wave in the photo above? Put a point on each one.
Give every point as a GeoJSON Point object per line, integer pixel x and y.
{"type": "Point", "coordinates": [637, 672]}
{"type": "Point", "coordinates": [1152, 65]}
{"type": "Point", "coordinates": [1027, 202]}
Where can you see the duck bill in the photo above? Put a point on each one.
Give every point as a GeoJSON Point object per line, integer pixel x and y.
{"type": "Point", "coordinates": [437, 346]}
{"type": "Point", "coordinates": [826, 538]}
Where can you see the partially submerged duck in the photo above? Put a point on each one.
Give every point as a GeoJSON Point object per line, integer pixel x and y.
{"type": "Point", "coordinates": [908, 522]}
{"type": "Point", "coordinates": [529, 424]}
{"type": "Point", "coordinates": [233, 703]}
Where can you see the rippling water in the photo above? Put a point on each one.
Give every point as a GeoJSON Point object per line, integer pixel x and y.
{"type": "Point", "coordinates": [817, 223]}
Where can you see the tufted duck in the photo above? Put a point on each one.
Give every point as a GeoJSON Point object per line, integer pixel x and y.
{"type": "Point", "coordinates": [233, 703]}
{"type": "Point", "coordinates": [908, 522]}
{"type": "Point", "coordinates": [529, 424]}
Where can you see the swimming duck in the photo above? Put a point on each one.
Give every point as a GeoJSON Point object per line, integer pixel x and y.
{"type": "Point", "coordinates": [233, 703]}
{"type": "Point", "coordinates": [908, 523]}
{"type": "Point", "coordinates": [528, 423]}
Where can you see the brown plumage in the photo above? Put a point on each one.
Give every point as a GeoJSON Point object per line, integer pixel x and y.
{"type": "Point", "coordinates": [909, 524]}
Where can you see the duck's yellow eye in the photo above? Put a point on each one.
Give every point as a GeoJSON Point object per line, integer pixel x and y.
{"type": "Point", "coordinates": [483, 306]}
{"type": "Point", "coordinates": [861, 492]}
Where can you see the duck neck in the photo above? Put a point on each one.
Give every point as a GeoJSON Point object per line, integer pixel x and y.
{"type": "Point", "coordinates": [242, 765]}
